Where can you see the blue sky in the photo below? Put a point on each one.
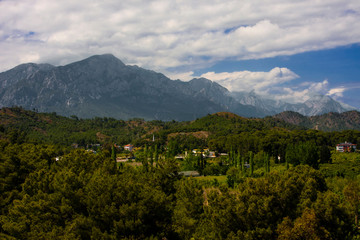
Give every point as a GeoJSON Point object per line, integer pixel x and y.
{"type": "Point", "coordinates": [284, 49]}
{"type": "Point", "coordinates": [340, 66]}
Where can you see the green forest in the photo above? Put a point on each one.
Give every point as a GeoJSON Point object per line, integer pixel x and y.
{"type": "Point", "coordinates": [71, 178]}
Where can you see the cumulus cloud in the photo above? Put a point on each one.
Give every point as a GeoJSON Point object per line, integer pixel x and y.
{"type": "Point", "coordinates": [163, 34]}
{"type": "Point", "coordinates": [292, 95]}
{"type": "Point", "coordinates": [245, 80]}
{"type": "Point", "coordinates": [303, 91]}
{"type": "Point", "coordinates": [343, 94]}
{"type": "Point", "coordinates": [276, 84]}
{"type": "Point", "coordinates": [183, 76]}
{"type": "Point", "coordinates": [336, 92]}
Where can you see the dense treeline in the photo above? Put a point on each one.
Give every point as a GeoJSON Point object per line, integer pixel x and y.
{"type": "Point", "coordinates": [223, 132]}
{"type": "Point", "coordinates": [82, 195]}
{"type": "Point", "coordinates": [87, 196]}
{"type": "Point", "coordinates": [19, 125]}
{"type": "Point", "coordinates": [280, 181]}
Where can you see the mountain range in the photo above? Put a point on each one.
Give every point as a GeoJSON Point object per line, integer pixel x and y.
{"type": "Point", "coordinates": [104, 86]}
{"type": "Point", "coordinates": [316, 105]}
{"type": "Point", "coordinates": [326, 122]}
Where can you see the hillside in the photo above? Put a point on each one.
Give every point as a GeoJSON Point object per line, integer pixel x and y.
{"type": "Point", "coordinates": [19, 125]}
{"type": "Point", "coordinates": [327, 122]}
{"type": "Point", "coordinates": [103, 86]}
{"type": "Point", "coordinates": [58, 172]}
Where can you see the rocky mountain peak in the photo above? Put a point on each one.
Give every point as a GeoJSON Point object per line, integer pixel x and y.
{"type": "Point", "coordinates": [98, 62]}
{"type": "Point", "coordinates": [23, 71]}
{"type": "Point", "coordinates": [102, 85]}
{"type": "Point", "coordinates": [108, 58]}
{"type": "Point", "coordinates": [198, 84]}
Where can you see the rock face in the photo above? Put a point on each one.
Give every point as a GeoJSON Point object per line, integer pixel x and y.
{"type": "Point", "coordinates": [103, 86]}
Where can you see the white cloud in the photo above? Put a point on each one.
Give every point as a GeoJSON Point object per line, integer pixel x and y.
{"type": "Point", "coordinates": [183, 76]}
{"type": "Point", "coordinates": [276, 84]}
{"type": "Point", "coordinates": [246, 80]}
{"type": "Point", "coordinates": [337, 92]}
{"type": "Point", "coordinates": [269, 84]}
{"type": "Point", "coordinates": [292, 95]}
{"type": "Point", "coordinates": [165, 34]}
{"type": "Point", "coordinates": [303, 91]}
{"type": "Point", "coordinates": [317, 87]}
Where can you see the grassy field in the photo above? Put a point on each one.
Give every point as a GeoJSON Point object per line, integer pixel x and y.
{"type": "Point", "coordinates": [220, 179]}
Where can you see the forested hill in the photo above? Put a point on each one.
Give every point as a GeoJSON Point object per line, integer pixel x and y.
{"type": "Point", "coordinates": [225, 122]}
{"type": "Point", "coordinates": [70, 178]}
{"type": "Point", "coordinates": [19, 125]}
{"type": "Point", "coordinates": [220, 132]}
{"type": "Point", "coordinates": [326, 122]}
{"type": "Point", "coordinates": [22, 125]}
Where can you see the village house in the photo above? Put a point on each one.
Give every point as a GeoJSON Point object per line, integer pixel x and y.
{"type": "Point", "coordinates": [129, 147]}
{"type": "Point", "coordinates": [204, 153]}
{"type": "Point", "coordinates": [346, 147]}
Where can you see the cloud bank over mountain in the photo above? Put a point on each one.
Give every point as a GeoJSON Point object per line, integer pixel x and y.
{"type": "Point", "coordinates": [274, 84]}
{"type": "Point", "coordinates": [170, 34]}
{"type": "Point", "coordinates": [179, 38]}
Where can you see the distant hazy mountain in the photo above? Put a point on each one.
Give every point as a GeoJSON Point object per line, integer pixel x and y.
{"type": "Point", "coordinates": [221, 96]}
{"type": "Point", "coordinates": [327, 122]}
{"type": "Point", "coordinates": [316, 105]}
{"type": "Point", "coordinates": [104, 86]}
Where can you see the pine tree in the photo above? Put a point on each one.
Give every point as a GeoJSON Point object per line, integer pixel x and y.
{"type": "Point", "coordinates": [238, 159]}
{"type": "Point", "coordinates": [251, 163]}
{"type": "Point", "coordinates": [202, 163]}
{"type": "Point", "coordinates": [151, 156]}
{"type": "Point", "coordinates": [145, 159]}
{"type": "Point", "coordinates": [243, 165]}
{"type": "Point", "coordinates": [113, 153]}
{"type": "Point", "coordinates": [234, 158]}
{"type": "Point", "coordinates": [287, 164]}
{"type": "Point", "coordinates": [156, 155]}
{"type": "Point", "coordinates": [267, 162]}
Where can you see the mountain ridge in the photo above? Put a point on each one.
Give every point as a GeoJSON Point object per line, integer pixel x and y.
{"type": "Point", "coordinates": [316, 105]}
{"type": "Point", "coordinates": [326, 122]}
{"type": "Point", "coordinates": [103, 86]}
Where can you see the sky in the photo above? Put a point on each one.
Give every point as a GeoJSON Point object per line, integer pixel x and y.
{"type": "Point", "coordinates": [284, 49]}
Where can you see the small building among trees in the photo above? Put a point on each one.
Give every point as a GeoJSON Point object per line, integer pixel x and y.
{"type": "Point", "coordinates": [129, 147]}
{"type": "Point", "coordinates": [346, 147]}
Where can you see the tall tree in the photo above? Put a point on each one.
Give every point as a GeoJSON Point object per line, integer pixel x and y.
{"type": "Point", "coordinates": [251, 159]}
{"type": "Point", "coordinates": [113, 153]}
{"type": "Point", "coordinates": [352, 196]}
{"type": "Point", "coordinates": [156, 154]}
{"type": "Point", "coordinates": [325, 154]}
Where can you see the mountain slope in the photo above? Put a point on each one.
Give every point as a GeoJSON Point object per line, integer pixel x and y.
{"type": "Point", "coordinates": [220, 95]}
{"type": "Point", "coordinates": [327, 122]}
{"type": "Point", "coordinates": [102, 86]}
{"type": "Point", "coordinates": [320, 104]}
{"type": "Point", "coordinates": [315, 105]}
